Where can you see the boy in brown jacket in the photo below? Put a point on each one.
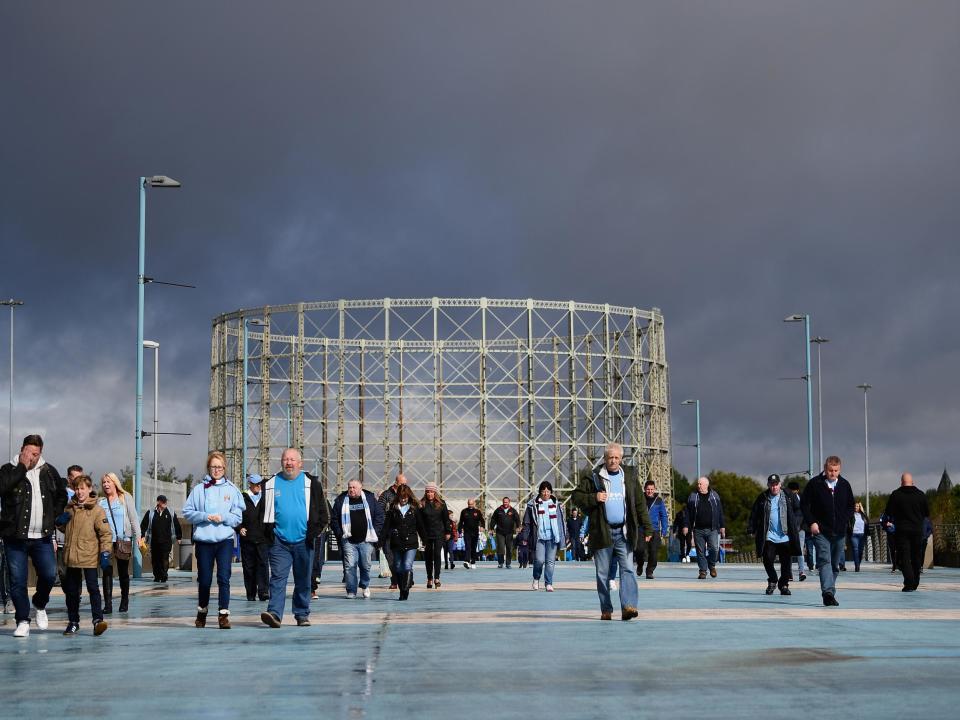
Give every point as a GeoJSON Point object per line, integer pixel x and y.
{"type": "Point", "coordinates": [87, 546]}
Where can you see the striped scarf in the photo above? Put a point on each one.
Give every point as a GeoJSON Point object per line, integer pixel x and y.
{"type": "Point", "coordinates": [547, 511]}
{"type": "Point", "coordinates": [345, 519]}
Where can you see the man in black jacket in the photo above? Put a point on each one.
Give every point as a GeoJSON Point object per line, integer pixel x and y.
{"type": "Point", "coordinates": [254, 548]}
{"type": "Point", "coordinates": [160, 529]}
{"type": "Point", "coordinates": [505, 522]}
{"type": "Point", "coordinates": [471, 520]}
{"type": "Point", "coordinates": [32, 496]}
{"type": "Point", "coordinates": [908, 509]}
{"type": "Point", "coordinates": [827, 504]}
{"type": "Point", "coordinates": [775, 526]}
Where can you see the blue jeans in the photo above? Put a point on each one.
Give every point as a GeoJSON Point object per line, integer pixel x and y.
{"type": "Point", "coordinates": [403, 560]}
{"type": "Point", "coordinates": [206, 553]}
{"type": "Point", "coordinates": [544, 559]}
{"type": "Point", "coordinates": [830, 550]}
{"type": "Point", "coordinates": [283, 556]}
{"type": "Point", "coordinates": [704, 539]}
{"type": "Point", "coordinates": [801, 566]}
{"type": "Point", "coordinates": [623, 552]}
{"type": "Point", "coordinates": [40, 551]}
{"type": "Point", "coordinates": [811, 551]}
{"type": "Point", "coordinates": [857, 543]}
{"type": "Point", "coordinates": [354, 554]}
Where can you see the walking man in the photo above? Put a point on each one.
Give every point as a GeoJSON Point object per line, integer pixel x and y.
{"type": "Point", "coordinates": [471, 520]}
{"type": "Point", "coordinates": [776, 530]}
{"type": "Point", "coordinates": [909, 509]}
{"type": "Point", "coordinates": [160, 529]}
{"type": "Point", "coordinates": [575, 535]}
{"type": "Point", "coordinates": [610, 497]}
{"type": "Point", "coordinates": [294, 514]}
{"type": "Point", "coordinates": [505, 523]}
{"type": "Point", "coordinates": [32, 496]}
{"type": "Point", "coordinates": [827, 504]}
{"type": "Point", "coordinates": [357, 522]}
{"type": "Point", "coordinates": [793, 500]}
{"type": "Point", "coordinates": [647, 551]}
{"type": "Point", "coordinates": [705, 519]}
{"type": "Point", "coordinates": [254, 549]}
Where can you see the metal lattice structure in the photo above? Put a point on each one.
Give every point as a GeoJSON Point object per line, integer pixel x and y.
{"type": "Point", "coordinates": [484, 397]}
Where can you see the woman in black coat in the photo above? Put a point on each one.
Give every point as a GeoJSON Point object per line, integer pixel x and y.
{"type": "Point", "coordinates": [435, 531]}
{"type": "Point", "coordinates": [401, 527]}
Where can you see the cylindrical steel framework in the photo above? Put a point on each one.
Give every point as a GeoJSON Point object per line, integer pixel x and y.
{"type": "Point", "coordinates": [484, 397]}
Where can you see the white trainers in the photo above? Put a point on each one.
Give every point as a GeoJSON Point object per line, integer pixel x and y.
{"type": "Point", "coordinates": [42, 622]}
{"type": "Point", "coordinates": [473, 566]}
{"type": "Point", "coordinates": [535, 585]}
{"type": "Point", "coordinates": [351, 596]}
{"type": "Point", "coordinates": [549, 588]}
{"type": "Point", "coordinates": [366, 592]}
{"type": "Point", "coordinates": [612, 585]}
{"type": "Point", "coordinates": [23, 629]}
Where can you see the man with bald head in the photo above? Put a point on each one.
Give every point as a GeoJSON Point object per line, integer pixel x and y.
{"type": "Point", "coordinates": [471, 520]}
{"type": "Point", "coordinates": [908, 508]}
{"type": "Point", "coordinates": [294, 513]}
{"type": "Point", "coordinates": [704, 518]}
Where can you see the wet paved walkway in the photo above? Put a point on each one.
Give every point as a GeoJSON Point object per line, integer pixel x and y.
{"type": "Point", "coordinates": [486, 645]}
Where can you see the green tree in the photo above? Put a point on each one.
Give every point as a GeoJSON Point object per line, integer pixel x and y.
{"type": "Point", "coordinates": [738, 493]}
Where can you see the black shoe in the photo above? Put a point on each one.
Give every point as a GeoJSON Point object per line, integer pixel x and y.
{"type": "Point", "coordinates": [72, 629]}
{"type": "Point", "coordinates": [770, 588]}
{"type": "Point", "coordinates": [803, 576]}
{"type": "Point", "coordinates": [262, 598]}
{"type": "Point", "coordinates": [906, 589]}
{"type": "Point", "coordinates": [785, 591]}
{"type": "Point", "coordinates": [829, 599]}
{"type": "Point", "coordinates": [303, 621]}
{"type": "Point", "coordinates": [268, 618]}
{"type": "Point", "coordinates": [251, 598]}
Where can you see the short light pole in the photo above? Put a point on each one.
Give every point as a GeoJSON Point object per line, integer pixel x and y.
{"type": "Point", "coordinates": [155, 346]}
{"type": "Point", "coordinates": [819, 341]}
{"type": "Point", "coordinates": [156, 181]}
{"type": "Point", "coordinates": [11, 303]}
{"type": "Point", "coordinates": [805, 319]}
{"type": "Point", "coordinates": [866, 446]}
{"type": "Point", "coordinates": [243, 414]}
{"type": "Point", "coordinates": [696, 404]}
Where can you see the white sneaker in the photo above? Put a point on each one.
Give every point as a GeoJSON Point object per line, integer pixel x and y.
{"type": "Point", "coordinates": [42, 622]}
{"type": "Point", "coordinates": [535, 585]}
{"type": "Point", "coordinates": [366, 592]}
{"type": "Point", "coordinates": [473, 566]}
{"type": "Point", "coordinates": [612, 585]}
{"type": "Point", "coordinates": [23, 629]}
{"type": "Point", "coordinates": [549, 588]}
{"type": "Point", "coordinates": [351, 596]}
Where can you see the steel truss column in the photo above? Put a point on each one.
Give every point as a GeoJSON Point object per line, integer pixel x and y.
{"type": "Point", "coordinates": [482, 500]}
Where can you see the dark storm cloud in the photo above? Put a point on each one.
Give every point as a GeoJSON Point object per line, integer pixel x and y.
{"type": "Point", "coordinates": [729, 163]}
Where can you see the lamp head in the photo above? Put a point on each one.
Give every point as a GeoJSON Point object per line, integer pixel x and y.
{"type": "Point", "coordinates": [161, 181]}
{"type": "Point", "coordinates": [794, 318]}
{"type": "Point", "coordinates": [152, 344]}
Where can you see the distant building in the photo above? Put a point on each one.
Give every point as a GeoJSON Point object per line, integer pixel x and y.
{"type": "Point", "coordinates": [945, 484]}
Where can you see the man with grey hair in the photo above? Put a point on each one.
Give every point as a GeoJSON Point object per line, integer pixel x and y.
{"type": "Point", "coordinates": [610, 496]}
{"type": "Point", "coordinates": [909, 508]}
{"type": "Point", "coordinates": [705, 518]}
{"type": "Point", "coordinates": [357, 522]}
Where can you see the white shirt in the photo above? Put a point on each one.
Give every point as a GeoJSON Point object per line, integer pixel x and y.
{"type": "Point", "coordinates": [35, 529]}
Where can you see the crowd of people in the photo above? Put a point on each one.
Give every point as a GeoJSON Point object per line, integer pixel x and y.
{"type": "Point", "coordinates": [69, 532]}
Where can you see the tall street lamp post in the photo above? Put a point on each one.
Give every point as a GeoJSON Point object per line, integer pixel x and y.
{"type": "Point", "coordinates": [696, 404]}
{"type": "Point", "coordinates": [155, 346]}
{"type": "Point", "coordinates": [11, 303]}
{"type": "Point", "coordinates": [866, 446]}
{"type": "Point", "coordinates": [819, 341]}
{"type": "Point", "coordinates": [805, 319]}
{"type": "Point", "coordinates": [156, 181]}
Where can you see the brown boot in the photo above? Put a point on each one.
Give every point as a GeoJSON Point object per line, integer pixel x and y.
{"type": "Point", "coordinates": [606, 615]}
{"type": "Point", "coordinates": [223, 618]}
{"type": "Point", "coordinates": [201, 620]}
{"type": "Point", "coordinates": [628, 613]}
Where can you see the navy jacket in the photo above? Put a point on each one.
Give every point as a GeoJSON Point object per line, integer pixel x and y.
{"type": "Point", "coordinates": [831, 511]}
{"type": "Point", "coordinates": [716, 509]}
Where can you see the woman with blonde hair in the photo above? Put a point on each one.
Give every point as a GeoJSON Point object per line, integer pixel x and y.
{"type": "Point", "coordinates": [215, 509]}
{"type": "Point", "coordinates": [121, 517]}
{"type": "Point", "coordinates": [435, 531]}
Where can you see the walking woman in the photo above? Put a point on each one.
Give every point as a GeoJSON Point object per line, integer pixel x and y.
{"type": "Point", "coordinates": [401, 525]}
{"type": "Point", "coordinates": [215, 509]}
{"type": "Point", "coordinates": [435, 524]}
{"type": "Point", "coordinates": [858, 530]}
{"type": "Point", "coordinates": [87, 546]}
{"type": "Point", "coordinates": [122, 520]}
{"type": "Point", "coordinates": [545, 529]}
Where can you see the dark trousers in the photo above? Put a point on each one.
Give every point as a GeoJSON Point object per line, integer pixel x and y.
{"type": "Point", "coordinates": [319, 557]}
{"type": "Point", "coordinates": [431, 555]}
{"type": "Point", "coordinates": [647, 553]}
{"type": "Point", "coordinates": [504, 549]}
{"type": "Point", "coordinates": [781, 551]}
{"type": "Point", "coordinates": [160, 558]}
{"type": "Point", "coordinates": [40, 551]}
{"type": "Point", "coordinates": [470, 552]}
{"type": "Point", "coordinates": [523, 555]}
{"type": "Point", "coordinates": [122, 574]}
{"type": "Point", "coordinates": [892, 550]}
{"type": "Point", "coordinates": [909, 558]}
{"type": "Point", "coordinates": [206, 553]}
{"type": "Point", "coordinates": [388, 554]}
{"type": "Point", "coordinates": [256, 578]}
{"type": "Point", "coordinates": [579, 553]}
{"type": "Point", "coordinates": [73, 579]}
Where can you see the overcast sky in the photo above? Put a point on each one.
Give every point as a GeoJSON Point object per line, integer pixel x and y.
{"type": "Point", "coordinates": [728, 162]}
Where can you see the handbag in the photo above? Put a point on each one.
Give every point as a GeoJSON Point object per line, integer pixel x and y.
{"type": "Point", "coordinates": [122, 549]}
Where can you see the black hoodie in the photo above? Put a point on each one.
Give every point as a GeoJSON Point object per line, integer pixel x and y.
{"type": "Point", "coordinates": [907, 507]}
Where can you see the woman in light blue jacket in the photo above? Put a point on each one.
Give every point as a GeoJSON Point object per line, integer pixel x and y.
{"type": "Point", "coordinates": [121, 518]}
{"type": "Point", "coordinates": [215, 509]}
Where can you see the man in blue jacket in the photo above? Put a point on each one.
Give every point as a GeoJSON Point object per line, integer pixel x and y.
{"type": "Point", "coordinates": [827, 504]}
{"type": "Point", "coordinates": [647, 550]}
